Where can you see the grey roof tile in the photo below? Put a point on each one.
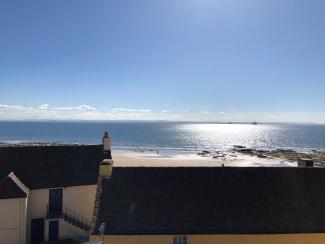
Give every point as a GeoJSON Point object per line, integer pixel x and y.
{"type": "Point", "coordinates": [12, 187]}
{"type": "Point", "coordinates": [206, 200]}
{"type": "Point", "coordinates": [52, 166]}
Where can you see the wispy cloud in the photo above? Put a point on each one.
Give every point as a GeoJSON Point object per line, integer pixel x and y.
{"type": "Point", "coordinates": [5, 106]}
{"type": "Point", "coordinates": [43, 106]}
{"type": "Point", "coordinates": [87, 112]}
{"type": "Point", "coordinates": [80, 112]}
{"type": "Point", "coordinates": [131, 110]}
{"type": "Point", "coordinates": [42, 111]}
{"type": "Point", "coordinates": [78, 108]}
{"type": "Point", "coordinates": [205, 112]}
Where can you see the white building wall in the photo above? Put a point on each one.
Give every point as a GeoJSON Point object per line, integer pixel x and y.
{"type": "Point", "coordinates": [37, 207]}
{"type": "Point", "coordinates": [69, 231]}
{"type": "Point", "coordinates": [13, 220]}
{"type": "Point", "coordinates": [79, 199]}
{"type": "Point", "coordinates": [37, 204]}
{"type": "Point", "coordinates": [66, 230]}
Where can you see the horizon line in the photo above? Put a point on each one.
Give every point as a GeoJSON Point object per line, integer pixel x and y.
{"type": "Point", "coordinates": [166, 121]}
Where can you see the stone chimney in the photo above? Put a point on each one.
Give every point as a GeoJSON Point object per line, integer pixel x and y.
{"type": "Point", "coordinates": [106, 166]}
{"type": "Point", "coordinates": [105, 172]}
{"type": "Point", "coordinates": [106, 142]}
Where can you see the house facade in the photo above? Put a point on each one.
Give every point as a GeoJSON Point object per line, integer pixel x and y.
{"type": "Point", "coordinates": [221, 205]}
{"type": "Point", "coordinates": [48, 192]}
{"type": "Point", "coordinates": [13, 210]}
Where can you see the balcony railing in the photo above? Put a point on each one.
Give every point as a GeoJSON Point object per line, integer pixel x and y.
{"type": "Point", "coordinates": [70, 216]}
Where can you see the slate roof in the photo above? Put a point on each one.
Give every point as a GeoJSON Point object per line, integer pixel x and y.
{"type": "Point", "coordinates": [52, 166]}
{"type": "Point", "coordinates": [218, 200]}
{"type": "Point", "coordinates": [12, 187]}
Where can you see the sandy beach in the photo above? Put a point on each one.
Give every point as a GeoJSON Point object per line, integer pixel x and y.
{"type": "Point", "coordinates": [152, 159]}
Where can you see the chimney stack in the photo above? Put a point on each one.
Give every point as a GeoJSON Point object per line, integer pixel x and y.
{"type": "Point", "coordinates": [106, 142]}
{"type": "Point", "coordinates": [106, 166]}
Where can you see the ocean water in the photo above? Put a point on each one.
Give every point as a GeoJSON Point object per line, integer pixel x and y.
{"type": "Point", "coordinates": [178, 136]}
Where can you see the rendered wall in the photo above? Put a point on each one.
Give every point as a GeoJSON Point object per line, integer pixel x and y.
{"type": "Point", "coordinates": [217, 239]}
{"type": "Point", "coordinates": [37, 207]}
{"type": "Point", "coordinates": [69, 231]}
{"type": "Point", "coordinates": [13, 220]}
{"type": "Point", "coordinates": [79, 199]}
{"type": "Point", "coordinates": [130, 239]}
{"type": "Point", "coordinates": [66, 230]}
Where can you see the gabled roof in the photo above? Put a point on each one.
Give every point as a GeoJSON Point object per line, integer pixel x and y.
{"type": "Point", "coordinates": [12, 187]}
{"type": "Point", "coordinates": [217, 200]}
{"type": "Point", "coordinates": [52, 166]}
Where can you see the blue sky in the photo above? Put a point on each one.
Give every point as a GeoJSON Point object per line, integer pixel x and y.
{"type": "Point", "coordinates": [208, 60]}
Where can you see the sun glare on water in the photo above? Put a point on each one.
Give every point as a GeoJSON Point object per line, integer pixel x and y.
{"type": "Point", "coordinates": [221, 136]}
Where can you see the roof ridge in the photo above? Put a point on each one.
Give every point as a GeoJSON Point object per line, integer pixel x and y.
{"type": "Point", "coordinates": [46, 145]}
{"type": "Point", "coordinates": [18, 182]}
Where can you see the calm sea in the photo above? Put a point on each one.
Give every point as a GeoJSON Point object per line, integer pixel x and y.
{"type": "Point", "coordinates": [169, 135]}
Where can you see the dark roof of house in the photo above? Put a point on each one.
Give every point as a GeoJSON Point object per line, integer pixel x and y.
{"type": "Point", "coordinates": [52, 166]}
{"type": "Point", "coordinates": [12, 187]}
{"type": "Point", "coordinates": [218, 200]}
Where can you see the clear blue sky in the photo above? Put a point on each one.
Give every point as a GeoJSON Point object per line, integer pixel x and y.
{"type": "Point", "coordinates": [163, 59]}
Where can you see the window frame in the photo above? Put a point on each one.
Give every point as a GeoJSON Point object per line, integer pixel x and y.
{"type": "Point", "coordinates": [180, 239]}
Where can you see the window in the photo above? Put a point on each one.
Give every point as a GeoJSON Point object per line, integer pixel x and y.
{"type": "Point", "coordinates": [55, 202]}
{"type": "Point", "coordinates": [180, 240]}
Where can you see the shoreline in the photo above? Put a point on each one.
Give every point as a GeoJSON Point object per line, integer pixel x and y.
{"type": "Point", "coordinates": [150, 159]}
{"type": "Point", "coordinates": [239, 156]}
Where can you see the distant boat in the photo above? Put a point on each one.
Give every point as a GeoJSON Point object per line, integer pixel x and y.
{"type": "Point", "coordinates": [254, 123]}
